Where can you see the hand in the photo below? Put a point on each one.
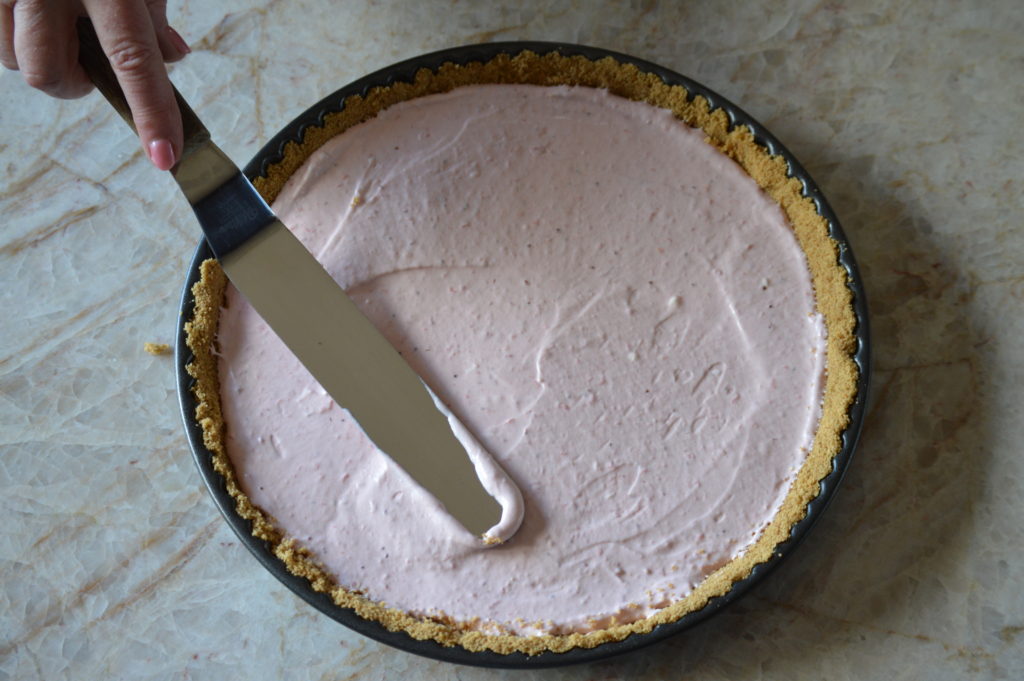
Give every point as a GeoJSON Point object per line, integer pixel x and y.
{"type": "Point", "coordinates": [38, 38]}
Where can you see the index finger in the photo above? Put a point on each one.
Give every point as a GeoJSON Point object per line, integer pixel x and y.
{"type": "Point", "coordinates": [128, 38]}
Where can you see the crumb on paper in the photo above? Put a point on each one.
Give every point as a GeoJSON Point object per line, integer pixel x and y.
{"type": "Point", "coordinates": [157, 348]}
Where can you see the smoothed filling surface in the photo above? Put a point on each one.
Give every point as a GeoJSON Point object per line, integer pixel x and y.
{"type": "Point", "coordinates": [611, 306]}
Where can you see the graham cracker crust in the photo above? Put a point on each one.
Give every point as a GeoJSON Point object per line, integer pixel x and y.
{"type": "Point", "coordinates": [829, 278]}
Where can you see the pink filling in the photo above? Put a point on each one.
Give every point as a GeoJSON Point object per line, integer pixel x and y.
{"type": "Point", "coordinates": [615, 310]}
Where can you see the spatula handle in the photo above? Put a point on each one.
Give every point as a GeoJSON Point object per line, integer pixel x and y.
{"type": "Point", "coordinates": [97, 66]}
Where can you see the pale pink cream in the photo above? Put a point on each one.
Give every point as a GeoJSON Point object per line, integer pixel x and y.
{"type": "Point", "coordinates": [617, 312]}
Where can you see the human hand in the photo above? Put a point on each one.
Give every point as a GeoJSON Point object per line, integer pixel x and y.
{"type": "Point", "coordinates": [38, 37]}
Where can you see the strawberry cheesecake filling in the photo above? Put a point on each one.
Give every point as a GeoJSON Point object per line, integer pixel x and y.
{"type": "Point", "coordinates": [612, 307]}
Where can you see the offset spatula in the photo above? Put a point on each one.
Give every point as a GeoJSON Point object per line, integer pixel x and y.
{"type": "Point", "coordinates": [300, 301]}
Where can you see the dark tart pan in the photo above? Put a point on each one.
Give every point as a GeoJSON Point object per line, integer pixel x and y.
{"type": "Point", "coordinates": [405, 72]}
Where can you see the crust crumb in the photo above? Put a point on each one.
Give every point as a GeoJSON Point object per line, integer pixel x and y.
{"type": "Point", "coordinates": [157, 348]}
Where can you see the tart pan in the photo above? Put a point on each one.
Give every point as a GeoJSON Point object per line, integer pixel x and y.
{"type": "Point", "coordinates": [405, 71]}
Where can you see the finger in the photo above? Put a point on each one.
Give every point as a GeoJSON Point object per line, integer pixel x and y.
{"type": "Point", "coordinates": [172, 46]}
{"type": "Point", "coordinates": [47, 48]}
{"type": "Point", "coordinates": [126, 34]}
{"type": "Point", "coordinates": [7, 56]}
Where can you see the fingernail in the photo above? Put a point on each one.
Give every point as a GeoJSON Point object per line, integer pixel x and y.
{"type": "Point", "coordinates": [161, 153]}
{"type": "Point", "coordinates": [179, 43]}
